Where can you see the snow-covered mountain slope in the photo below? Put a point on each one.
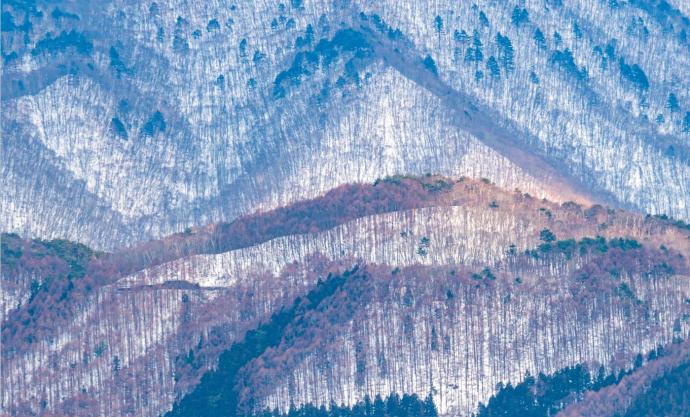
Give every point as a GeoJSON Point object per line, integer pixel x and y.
{"type": "Point", "coordinates": [412, 336]}
{"type": "Point", "coordinates": [616, 400]}
{"type": "Point", "coordinates": [143, 118]}
{"type": "Point", "coordinates": [514, 265]}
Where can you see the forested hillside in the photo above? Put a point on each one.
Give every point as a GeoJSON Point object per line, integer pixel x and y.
{"type": "Point", "coordinates": [344, 208]}
{"type": "Point", "coordinates": [461, 286]}
{"type": "Point", "coordinates": [179, 114]}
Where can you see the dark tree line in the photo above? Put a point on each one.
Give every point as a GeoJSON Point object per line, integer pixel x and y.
{"type": "Point", "coordinates": [546, 395]}
{"type": "Point", "coordinates": [392, 406]}
{"type": "Point", "coordinates": [217, 394]}
{"type": "Point", "coordinates": [668, 395]}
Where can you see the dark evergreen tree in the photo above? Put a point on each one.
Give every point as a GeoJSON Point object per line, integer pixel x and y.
{"type": "Point", "coordinates": [577, 31]}
{"type": "Point", "coordinates": [243, 48]}
{"type": "Point", "coordinates": [438, 23]}
{"type": "Point", "coordinates": [547, 236]}
{"type": "Point", "coordinates": [520, 16]}
{"type": "Point", "coordinates": [672, 103]}
{"type": "Point", "coordinates": [430, 64]}
{"type": "Point", "coordinates": [379, 406]}
{"type": "Point", "coordinates": [483, 19]}
{"type": "Point", "coordinates": [474, 53]}
{"type": "Point", "coordinates": [634, 74]}
{"type": "Point", "coordinates": [505, 52]}
{"type": "Point", "coordinates": [430, 407]}
{"type": "Point", "coordinates": [461, 36]}
{"type": "Point", "coordinates": [533, 77]}
{"type": "Point", "coordinates": [393, 405]}
{"type": "Point", "coordinates": [539, 38]}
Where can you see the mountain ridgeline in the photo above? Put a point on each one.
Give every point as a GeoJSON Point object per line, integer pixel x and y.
{"type": "Point", "coordinates": [345, 208]}
{"type": "Point", "coordinates": [221, 110]}
{"type": "Point", "coordinates": [462, 290]}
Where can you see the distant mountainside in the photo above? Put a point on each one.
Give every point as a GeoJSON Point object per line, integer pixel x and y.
{"type": "Point", "coordinates": [345, 208]}
{"type": "Point", "coordinates": [443, 289]}
{"type": "Point", "coordinates": [141, 119]}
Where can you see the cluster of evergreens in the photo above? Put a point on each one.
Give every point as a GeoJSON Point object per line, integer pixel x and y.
{"type": "Point", "coordinates": [392, 406]}
{"type": "Point", "coordinates": [544, 396]}
{"type": "Point", "coordinates": [216, 394]}
{"type": "Point", "coordinates": [570, 247]}
{"type": "Point", "coordinates": [668, 395]}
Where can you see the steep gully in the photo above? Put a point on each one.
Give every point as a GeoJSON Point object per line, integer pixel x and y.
{"type": "Point", "coordinates": [486, 125]}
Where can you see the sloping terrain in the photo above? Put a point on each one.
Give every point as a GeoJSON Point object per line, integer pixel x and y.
{"type": "Point", "coordinates": [344, 208]}
{"type": "Point", "coordinates": [458, 285]}
{"type": "Point", "coordinates": [144, 118]}
{"type": "Point", "coordinates": [658, 388]}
